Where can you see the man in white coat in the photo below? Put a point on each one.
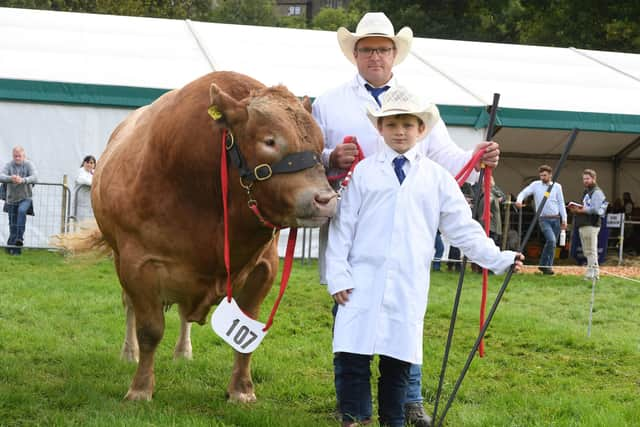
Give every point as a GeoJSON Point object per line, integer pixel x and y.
{"type": "Point", "coordinates": [380, 247]}
{"type": "Point", "coordinates": [375, 49]}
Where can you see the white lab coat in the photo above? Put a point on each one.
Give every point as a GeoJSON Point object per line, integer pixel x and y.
{"type": "Point", "coordinates": [381, 244]}
{"type": "Point", "coordinates": [342, 111]}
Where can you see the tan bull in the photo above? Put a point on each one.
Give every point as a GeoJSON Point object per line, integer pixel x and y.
{"type": "Point", "coordinates": [157, 200]}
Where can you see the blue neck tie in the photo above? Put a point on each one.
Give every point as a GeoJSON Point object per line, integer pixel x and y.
{"type": "Point", "coordinates": [376, 91]}
{"type": "Point", "coordinates": [398, 162]}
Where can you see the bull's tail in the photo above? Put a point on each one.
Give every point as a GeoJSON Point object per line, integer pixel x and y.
{"type": "Point", "coordinates": [88, 241]}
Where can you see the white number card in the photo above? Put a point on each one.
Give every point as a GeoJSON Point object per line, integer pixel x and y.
{"type": "Point", "coordinates": [239, 330]}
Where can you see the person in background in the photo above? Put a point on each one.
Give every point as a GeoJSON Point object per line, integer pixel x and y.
{"type": "Point", "coordinates": [588, 220]}
{"type": "Point", "coordinates": [19, 174]}
{"type": "Point", "coordinates": [83, 209]}
{"type": "Point", "coordinates": [495, 225]}
{"type": "Point", "coordinates": [381, 243]}
{"type": "Point", "coordinates": [553, 217]}
{"type": "Point", "coordinates": [375, 50]}
{"type": "Point", "coordinates": [627, 204]}
{"type": "Point", "coordinates": [85, 174]}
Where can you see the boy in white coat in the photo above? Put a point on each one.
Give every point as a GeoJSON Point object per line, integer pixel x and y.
{"type": "Point", "coordinates": [381, 244]}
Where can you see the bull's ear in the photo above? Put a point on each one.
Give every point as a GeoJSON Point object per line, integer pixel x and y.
{"type": "Point", "coordinates": [306, 103]}
{"type": "Point", "coordinates": [224, 108]}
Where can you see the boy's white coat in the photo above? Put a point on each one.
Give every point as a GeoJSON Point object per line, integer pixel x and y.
{"type": "Point", "coordinates": [381, 244]}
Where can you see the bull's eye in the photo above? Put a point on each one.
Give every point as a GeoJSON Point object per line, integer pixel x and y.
{"type": "Point", "coordinates": [270, 142]}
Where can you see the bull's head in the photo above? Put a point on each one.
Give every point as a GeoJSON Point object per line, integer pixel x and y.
{"type": "Point", "coordinates": [276, 155]}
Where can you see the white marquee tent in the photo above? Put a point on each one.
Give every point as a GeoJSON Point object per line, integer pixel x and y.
{"type": "Point", "coordinates": [67, 79]}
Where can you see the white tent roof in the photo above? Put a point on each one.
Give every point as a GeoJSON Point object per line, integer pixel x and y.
{"type": "Point", "coordinates": [534, 77]}
{"type": "Point", "coordinates": [162, 53]}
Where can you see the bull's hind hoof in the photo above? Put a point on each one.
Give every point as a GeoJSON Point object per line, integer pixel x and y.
{"type": "Point", "coordinates": [138, 395]}
{"type": "Point", "coordinates": [242, 397]}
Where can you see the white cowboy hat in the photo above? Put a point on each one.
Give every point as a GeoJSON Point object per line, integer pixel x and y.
{"type": "Point", "coordinates": [375, 24]}
{"type": "Point", "coordinates": [398, 100]}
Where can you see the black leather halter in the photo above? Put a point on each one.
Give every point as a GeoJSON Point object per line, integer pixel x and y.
{"type": "Point", "coordinates": [293, 162]}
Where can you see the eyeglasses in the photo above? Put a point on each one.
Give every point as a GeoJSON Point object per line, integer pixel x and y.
{"type": "Point", "coordinates": [369, 51]}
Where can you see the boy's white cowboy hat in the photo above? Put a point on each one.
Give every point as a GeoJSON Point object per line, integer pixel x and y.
{"type": "Point", "coordinates": [375, 24]}
{"type": "Point", "coordinates": [398, 100]}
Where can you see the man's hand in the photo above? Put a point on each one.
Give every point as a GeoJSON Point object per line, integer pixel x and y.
{"type": "Point", "coordinates": [519, 205]}
{"type": "Point", "coordinates": [343, 155]}
{"type": "Point", "coordinates": [563, 226]}
{"type": "Point", "coordinates": [576, 209]}
{"type": "Point", "coordinates": [342, 297]}
{"type": "Point", "coordinates": [17, 179]}
{"type": "Point", "coordinates": [518, 262]}
{"type": "Point", "coordinates": [491, 157]}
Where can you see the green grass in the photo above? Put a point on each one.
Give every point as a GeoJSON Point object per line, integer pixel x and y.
{"type": "Point", "coordinates": [62, 325]}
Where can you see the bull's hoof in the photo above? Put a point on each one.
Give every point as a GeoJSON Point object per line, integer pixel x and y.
{"type": "Point", "coordinates": [139, 395]}
{"type": "Point", "coordinates": [129, 355]}
{"type": "Point", "coordinates": [242, 397]}
{"type": "Point", "coordinates": [183, 354]}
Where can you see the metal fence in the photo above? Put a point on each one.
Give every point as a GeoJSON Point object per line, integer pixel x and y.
{"type": "Point", "coordinates": [51, 207]}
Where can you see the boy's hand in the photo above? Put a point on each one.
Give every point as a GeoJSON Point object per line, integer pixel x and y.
{"type": "Point", "coordinates": [518, 262]}
{"type": "Point", "coordinates": [342, 297]}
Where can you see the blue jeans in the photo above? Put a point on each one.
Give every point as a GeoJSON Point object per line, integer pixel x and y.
{"type": "Point", "coordinates": [439, 246]}
{"type": "Point", "coordinates": [17, 221]}
{"type": "Point", "coordinates": [414, 388]}
{"type": "Point", "coordinates": [550, 228]}
{"type": "Point", "coordinates": [354, 394]}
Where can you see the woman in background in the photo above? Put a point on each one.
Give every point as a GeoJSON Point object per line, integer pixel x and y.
{"type": "Point", "coordinates": [85, 174]}
{"type": "Point", "coordinates": [83, 209]}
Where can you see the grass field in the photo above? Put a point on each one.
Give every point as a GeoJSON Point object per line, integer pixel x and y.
{"type": "Point", "coordinates": [61, 329]}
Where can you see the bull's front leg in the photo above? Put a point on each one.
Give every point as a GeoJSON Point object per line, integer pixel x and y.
{"type": "Point", "coordinates": [130, 350]}
{"type": "Point", "coordinates": [183, 349]}
{"type": "Point", "coordinates": [249, 299]}
{"type": "Point", "coordinates": [241, 386]}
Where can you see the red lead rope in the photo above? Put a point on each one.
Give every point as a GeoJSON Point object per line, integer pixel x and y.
{"type": "Point", "coordinates": [291, 243]}
{"type": "Point", "coordinates": [461, 177]}
{"type": "Point", "coordinates": [485, 273]}
{"type": "Point", "coordinates": [286, 271]}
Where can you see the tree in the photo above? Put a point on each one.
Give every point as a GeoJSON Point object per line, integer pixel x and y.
{"type": "Point", "coordinates": [330, 19]}
{"type": "Point", "coordinates": [246, 12]}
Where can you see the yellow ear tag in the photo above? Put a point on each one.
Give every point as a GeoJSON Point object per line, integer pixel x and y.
{"type": "Point", "coordinates": [214, 113]}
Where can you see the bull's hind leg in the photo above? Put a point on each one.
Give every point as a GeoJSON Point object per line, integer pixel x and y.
{"type": "Point", "coordinates": [249, 299]}
{"type": "Point", "coordinates": [183, 346]}
{"type": "Point", "coordinates": [138, 282]}
{"type": "Point", "coordinates": [149, 331]}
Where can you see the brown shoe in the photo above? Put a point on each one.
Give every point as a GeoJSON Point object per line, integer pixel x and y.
{"type": "Point", "coordinates": [414, 415]}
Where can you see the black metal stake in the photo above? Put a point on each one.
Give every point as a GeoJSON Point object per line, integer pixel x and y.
{"type": "Point", "coordinates": [463, 266]}
{"type": "Point", "coordinates": [507, 278]}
